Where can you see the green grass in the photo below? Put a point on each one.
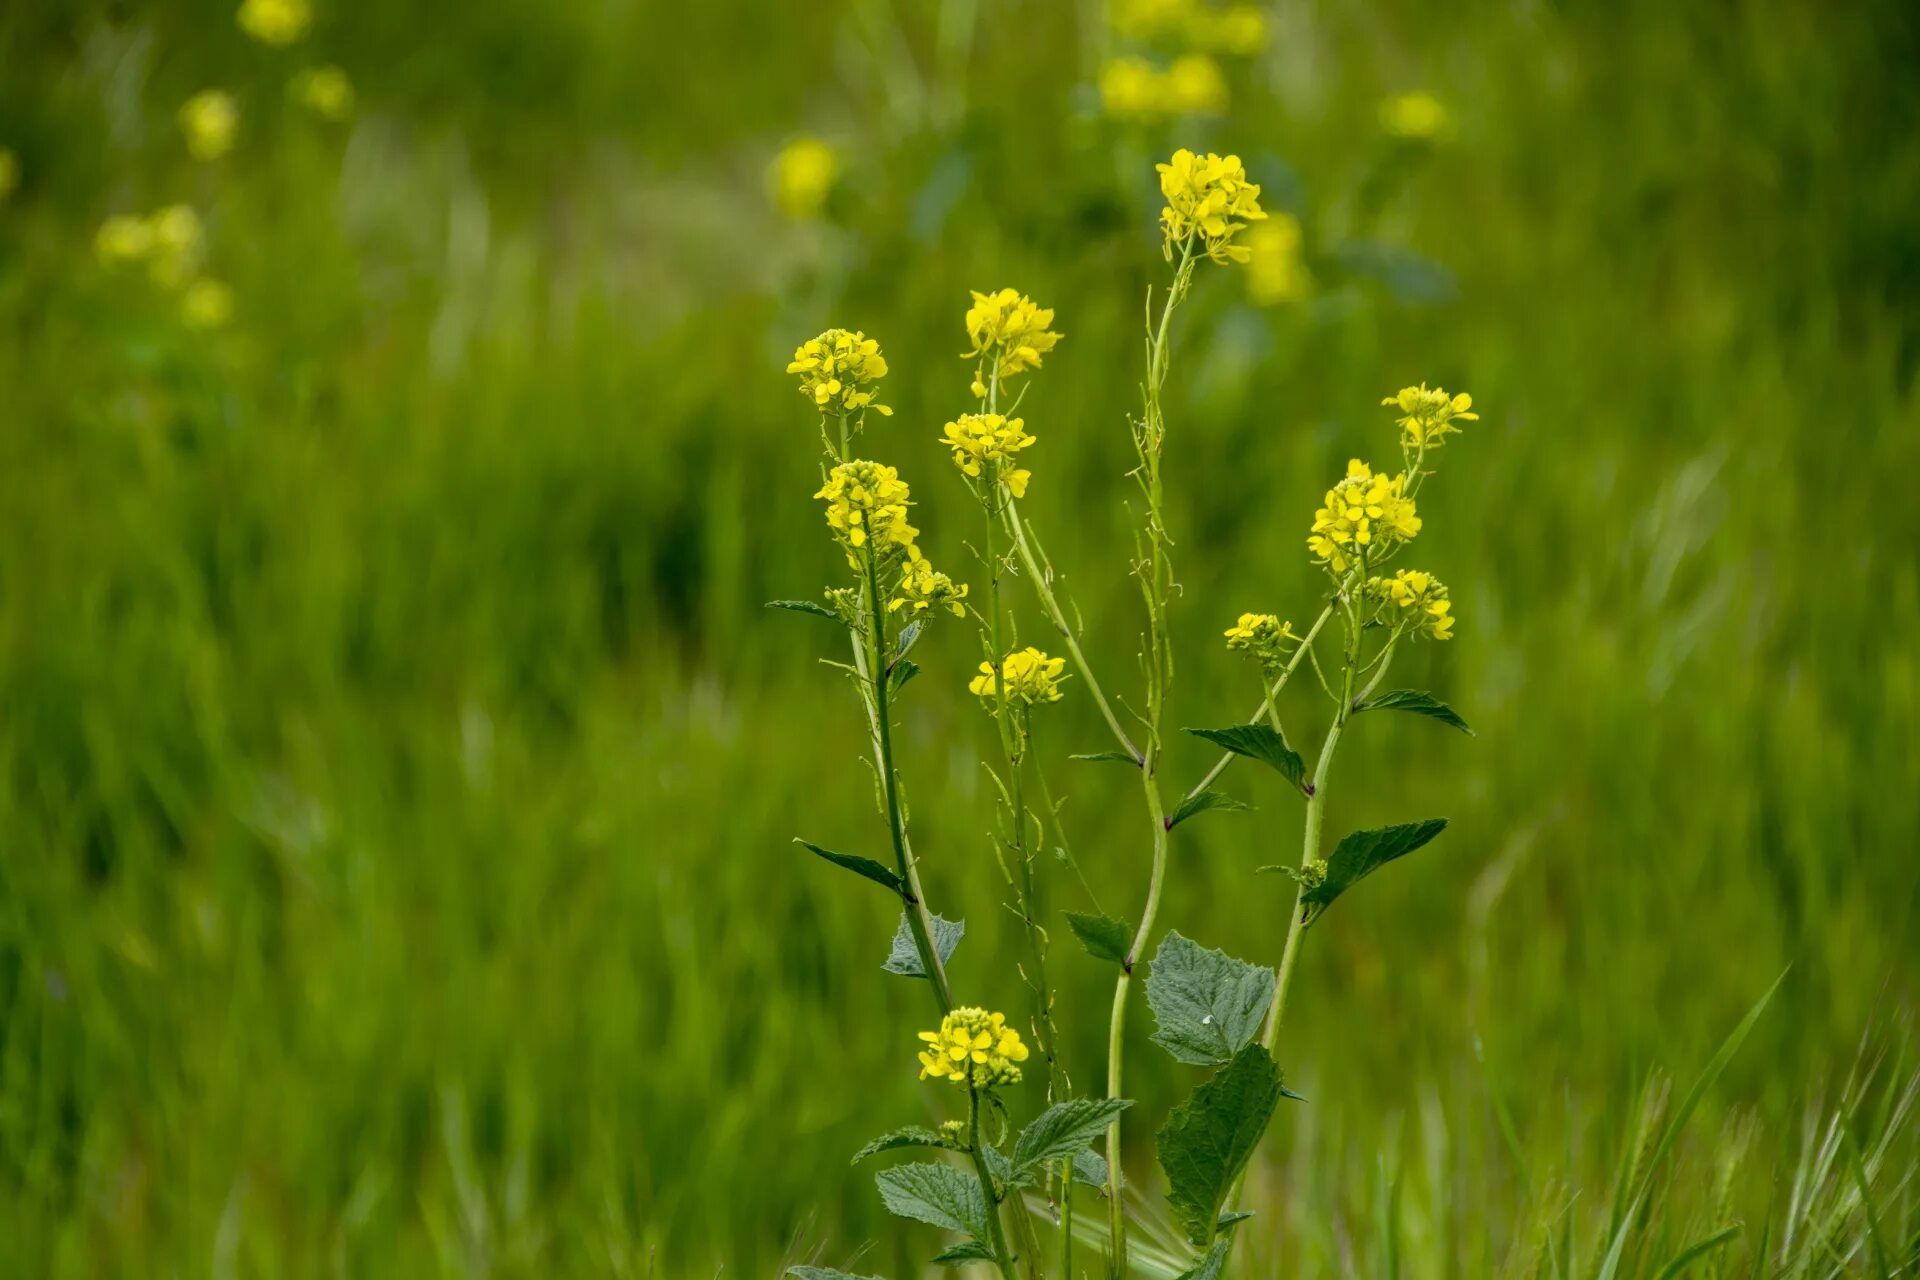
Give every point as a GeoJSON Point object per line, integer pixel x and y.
{"type": "Point", "coordinates": [398, 772]}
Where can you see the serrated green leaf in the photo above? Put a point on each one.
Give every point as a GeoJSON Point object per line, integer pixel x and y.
{"type": "Point", "coordinates": [1205, 800]}
{"type": "Point", "coordinates": [860, 866]}
{"type": "Point", "coordinates": [1122, 757]}
{"type": "Point", "coordinates": [936, 1194]}
{"type": "Point", "coordinates": [1360, 854]}
{"type": "Point", "coordinates": [1232, 1216]}
{"type": "Point", "coordinates": [1000, 1169]}
{"type": "Point", "coordinates": [904, 669]}
{"type": "Point", "coordinates": [1207, 1139]}
{"type": "Point", "coordinates": [1063, 1129]}
{"type": "Point", "coordinates": [1260, 742]}
{"type": "Point", "coordinates": [825, 1273]}
{"type": "Point", "coordinates": [1210, 1267]}
{"type": "Point", "coordinates": [912, 1135]}
{"type": "Point", "coordinates": [964, 1252]}
{"type": "Point", "coordinates": [1208, 1005]}
{"type": "Point", "coordinates": [904, 958]}
{"type": "Point", "coordinates": [804, 606]}
{"type": "Point", "coordinates": [1104, 937]}
{"type": "Point", "coordinates": [1090, 1169]}
{"type": "Point", "coordinates": [1420, 704]}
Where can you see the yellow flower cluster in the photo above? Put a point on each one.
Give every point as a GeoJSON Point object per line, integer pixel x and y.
{"type": "Point", "coordinates": [1429, 415]}
{"type": "Point", "coordinates": [275, 22]}
{"type": "Point", "coordinates": [837, 372]}
{"type": "Point", "coordinates": [1276, 272]}
{"type": "Point", "coordinates": [801, 177]}
{"type": "Point", "coordinates": [209, 119]}
{"type": "Point", "coordinates": [973, 1047]}
{"type": "Point", "coordinates": [1209, 197]}
{"type": "Point", "coordinates": [1134, 88]}
{"type": "Point", "coordinates": [866, 500]}
{"type": "Point", "coordinates": [1362, 512]}
{"type": "Point", "coordinates": [922, 588]}
{"type": "Point", "coordinates": [1421, 598]}
{"type": "Point", "coordinates": [325, 91]}
{"type": "Point", "coordinates": [1011, 327]}
{"type": "Point", "coordinates": [1032, 677]}
{"type": "Point", "coordinates": [1262, 635]}
{"type": "Point", "coordinates": [1414, 116]}
{"type": "Point", "coordinates": [986, 446]}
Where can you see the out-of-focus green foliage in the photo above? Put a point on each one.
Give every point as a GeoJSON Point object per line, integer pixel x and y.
{"type": "Point", "coordinates": [398, 770]}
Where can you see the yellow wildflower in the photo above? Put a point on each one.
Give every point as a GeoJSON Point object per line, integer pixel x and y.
{"type": "Point", "coordinates": [1420, 600]}
{"type": "Point", "coordinates": [973, 1047]}
{"type": "Point", "coordinates": [922, 588]}
{"type": "Point", "coordinates": [1362, 512]}
{"type": "Point", "coordinates": [1275, 272]}
{"type": "Point", "coordinates": [275, 22]}
{"type": "Point", "coordinates": [1032, 677]}
{"type": "Point", "coordinates": [207, 304]}
{"type": "Point", "coordinates": [1430, 415]}
{"type": "Point", "coordinates": [1209, 197]}
{"type": "Point", "coordinates": [868, 501]}
{"type": "Point", "coordinates": [1414, 116]}
{"type": "Point", "coordinates": [837, 371]}
{"type": "Point", "coordinates": [801, 177]}
{"type": "Point", "coordinates": [1262, 635]}
{"type": "Point", "coordinates": [986, 446]}
{"type": "Point", "coordinates": [9, 173]}
{"type": "Point", "coordinates": [325, 91]}
{"type": "Point", "coordinates": [1193, 85]}
{"type": "Point", "coordinates": [209, 119]}
{"type": "Point", "coordinates": [1011, 326]}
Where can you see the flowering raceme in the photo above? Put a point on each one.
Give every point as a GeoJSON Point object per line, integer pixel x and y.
{"type": "Point", "coordinates": [986, 445]}
{"type": "Point", "coordinates": [1262, 635]}
{"type": "Point", "coordinates": [837, 372]}
{"type": "Point", "coordinates": [1208, 196]}
{"type": "Point", "coordinates": [1415, 600]}
{"type": "Point", "coordinates": [1010, 327]}
{"type": "Point", "coordinates": [867, 501]}
{"type": "Point", "coordinates": [1429, 415]}
{"type": "Point", "coordinates": [1032, 677]}
{"type": "Point", "coordinates": [973, 1047]}
{"type": "Point", "coordinates": [1362, 511]}
{"type": "Point", "coordinates": [922, 588]}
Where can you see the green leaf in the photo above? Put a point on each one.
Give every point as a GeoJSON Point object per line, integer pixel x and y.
{"type": "Point", "coordinates": [1207, 1004]}
{"type": "Point", "coordinates": [804, 606]}
{"type": "Point", "coordinates": [909, 634]}
{"type": "Point", "coordinates": [1421, 704]}
{"type": "Point", "coordinates": [903, 670]}
{"type": "Point", "coordinates": [825, 1273]}
{"type": "Point", "coordinates": [1090, 1169]}
{"type": "Point", "coordinates": [1124, 757]}
{"type": "Point", "coordinates": [1000, 1169]}
{"type": "Point", "coordinates": [904, 959]}
{"type": "Point", "coordinates": [1232, 1216]}
{"type": "Point", "coordinates": [1210, 1267]}
{"type": "Point", "coordinates": [1263, 743]}
{"type": "Point", "coordinates": [1104, 937]}
{"type": "Point", "coordinates": [1062, 1130]}
{"type": "Point", "coordinates": [1363, 852]}
{"type": "Point", "coordinates": [912, 1136]}
{"type": "Point", "coordinates": [1208, 799]}
{"type": "Point", "coordinates": [1207, 1139]}
{"type": "Point", "coordinates": [860, 866]}
{"type": "Point", "coordinates": [964, 1252]}
{"type": "Point", "coordinates": [936, 1194]}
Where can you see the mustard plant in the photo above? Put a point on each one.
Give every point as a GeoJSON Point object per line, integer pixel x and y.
{"type": "Point", "coordinates": [994, 1182]}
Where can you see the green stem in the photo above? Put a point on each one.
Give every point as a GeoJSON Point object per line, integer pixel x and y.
{"type": "Point", "coordinates": [996, 1237]}
{"type": "Point", "coordinates": [1268, 704]}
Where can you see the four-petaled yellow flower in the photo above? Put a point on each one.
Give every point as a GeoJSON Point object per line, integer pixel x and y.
{"type": "Point", "coordinates": [986, 445]}
{"type": "Point", "coordinates": [1362, 512]}
{"type": "Point", "coordinates": [923, 588]}
{"type": "Point", "coordinates": [973, 1047]}
{"type": "Point", "coordinates": [1011, 327]}
{"type": "Point", "coordinates": [1262, 635]}
{"type": "Point", "coordinates": [868, 501]}
{"type": "Point", "coordinates": [1424, 608]}
{"type": "Point", "coordinates": [837, 372]}
{"type": "Point", "coordinates": [1430, 415]}
{"type": "Point", "coordinates": [325, 91]}
{"type": "Point", "coordinates": [1032, 677]}
{"type": "Point", "coordinates": [801, 177]}
{"type": "Point", "coordinates": [1209, 197]}
{"type": "Point", "coordinates": [209, 119]}
{"type": "Point", "coordinates": [277, 22]}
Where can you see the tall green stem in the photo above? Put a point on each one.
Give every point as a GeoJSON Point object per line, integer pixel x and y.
{"type": "Point", "coordinates": [996, 1237]}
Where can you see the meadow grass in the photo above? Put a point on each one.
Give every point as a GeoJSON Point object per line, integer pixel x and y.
{"type": "Point", "coordinates": [398, 771]}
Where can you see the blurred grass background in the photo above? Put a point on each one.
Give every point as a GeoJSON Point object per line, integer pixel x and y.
{"type": "Point", "coordinates": [397, 768]}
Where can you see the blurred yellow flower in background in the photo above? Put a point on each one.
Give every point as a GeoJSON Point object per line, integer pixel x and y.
{"type": "Point", "coordinates": [123, 238]}
{"type": "Point", "coordinates": [1414, 115]}
{"type": "Point", "coordinates": [177, 240]}
{"type": "Point", "coordinates": [1276, 272]}
{"type": "Point", "coordinates": [275, 22]}
{"type": "Point", "coordinates": [209, 119]}
{"type": "Point", "coordinates": [1194, 86]}
{"type": "Point", "coordinates": [801, 177]}
{"type": "Point", "coordinates": [207, 304]}
{"type": "Point", "coordinates": [325, 91]}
